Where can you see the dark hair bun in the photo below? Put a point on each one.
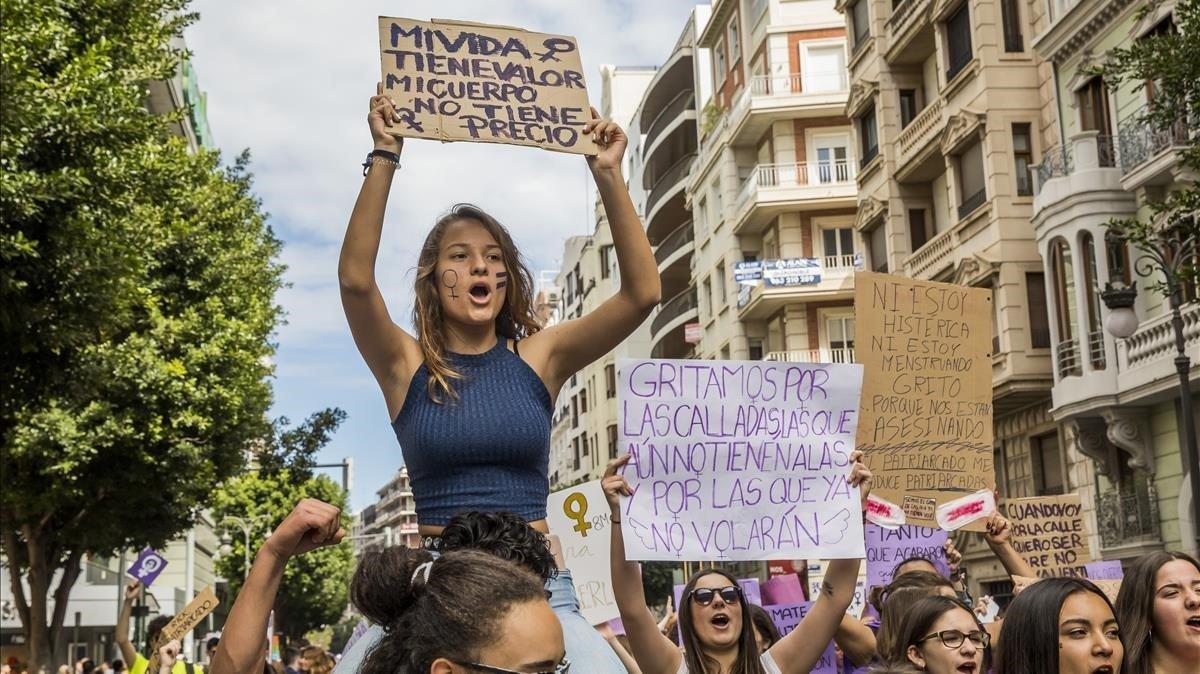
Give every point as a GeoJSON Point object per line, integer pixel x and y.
{"type": "Point", "coordinates": [382, 586]}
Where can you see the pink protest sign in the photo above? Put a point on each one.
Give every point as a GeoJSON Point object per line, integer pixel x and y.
{"type": "Point", "coordinates": [739, 460]}
{"type": "Point", "coordinates": [783, 590]}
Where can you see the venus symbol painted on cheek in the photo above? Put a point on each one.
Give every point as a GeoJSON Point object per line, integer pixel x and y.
{"type": "Point", "coordinates": [450, 280]}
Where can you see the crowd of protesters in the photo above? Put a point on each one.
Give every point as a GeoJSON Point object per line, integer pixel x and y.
{"type": "Point", "coordinates": [471, 397]}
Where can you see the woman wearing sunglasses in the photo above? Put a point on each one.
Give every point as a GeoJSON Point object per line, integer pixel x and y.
{"type": "Point", "coordinates": [941, 636]}
{"type": "Point", "coordinates": [716, 629]}
{"type": "Point", "coordinates": [463, 613]}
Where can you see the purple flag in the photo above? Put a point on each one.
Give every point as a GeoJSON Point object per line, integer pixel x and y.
{"type": "Point", "coordinates": [147, 566]}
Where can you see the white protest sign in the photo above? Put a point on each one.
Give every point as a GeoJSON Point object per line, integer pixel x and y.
{"type": "Point", "coordinates": [739, 460]}
{"type": "Point", "coordinates": [579, 517]}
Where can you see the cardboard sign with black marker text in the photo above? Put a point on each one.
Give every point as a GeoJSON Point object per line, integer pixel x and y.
{"type": "Point", "coordinates": [463, 81]}
{"type": "Point", "coordinates": [925, 425]}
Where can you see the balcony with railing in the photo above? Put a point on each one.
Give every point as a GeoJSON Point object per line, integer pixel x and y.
{"type": "Point", "coordinates": [673, 313]}
{"type": "Point", "coordinates": [771, 98]}
{"type": "Point", "coordinates": [824, 355]}
{"type": "Point", "coordinates": [919, 142]}
{"type": "Point", "coordinates": [910, 31]}
{"type": "Point", "coordinates": [1081, 171]}
{"type": "Point", "coordinates": [1148, 356]}
{"type": "Point", "coordinates": [1128, 518]}
{"type": "Point", "coordinates": [680, 113]}
{"type": "Point", "coordinates": [667, 188]}
{"type": "Point", "coordinates": [771, 189]}
{"type": "Point", "coordinates": [1150, 152]}
{"type": "Point", "coordinates": [1066, 355]}
{"type": "Point", "coordinates": [676, 246]}
{"type": "Point", "coordinates": [784, 282]}
{"type": "Point", "coordinates": [934, 256]}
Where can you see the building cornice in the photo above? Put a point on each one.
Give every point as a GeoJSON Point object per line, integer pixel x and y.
{"type": "Point", "coordinates": [1077, 28]}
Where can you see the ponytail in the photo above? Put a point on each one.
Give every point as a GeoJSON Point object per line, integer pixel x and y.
{"type": "Point", "coordinates": [429, 609]}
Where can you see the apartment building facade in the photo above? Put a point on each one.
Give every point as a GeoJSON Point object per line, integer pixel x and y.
{"type": "Point", "coordinates": [391, 520]}
{"type": "Point", "coordinates": [947, 103]}
{"type": "Point", "coordinates": [583, 435]}
{"type": "Point", "coordinates": [772, 189]}
{"type": "Point", "coordinates": [1116, 400]}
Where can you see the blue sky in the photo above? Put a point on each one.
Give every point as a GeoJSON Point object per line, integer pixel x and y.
{"type": "Point", "coordinates": [291, 82]}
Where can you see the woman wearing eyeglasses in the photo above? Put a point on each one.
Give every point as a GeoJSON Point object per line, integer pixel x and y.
{"type": "Point", "coordinates": [716, 629]}
{"type": "Point", "coordinates": [1060, 626]}
{"type": "Point", "coordinates": [941, 636]}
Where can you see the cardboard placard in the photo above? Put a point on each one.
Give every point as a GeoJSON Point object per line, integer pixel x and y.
{"type": "Point", "coordinates": [739, 460]}
{"type": "Point", "coordinates": [1048, 533]}
{"type": "Point", "coordinates": [579, 516]}
{"type": "Point", "coordinates": [185, 621]}
{"type": "Point", "coordinates": [888, 547]}
{"type": "Point", "coordinates": [463, 81]}
{"type": "Point", "coordinates": [787, 616]}
{"type": "Point", "coordinates": [926, 420]}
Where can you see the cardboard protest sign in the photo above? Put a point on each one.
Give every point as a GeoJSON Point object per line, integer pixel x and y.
{"type": "Point", "coordinates": [1048, 533]}
{"type": "Point", "coordinates": [739, 460]}
{"type": "Point", "coordinates": [926, 420]}
{"type": "Point", "coordinates": [185, 621]}
{"type": "Point", "coordinates": [147, 566]}
{"type": "Point", "coordinates": [579, 516]}
{"type": "Point", "coordinates": [888, 547]}
{"type": "Point", "coordinates": [456, 80]}
{"type": "Point", "coordinates": [786, 617]}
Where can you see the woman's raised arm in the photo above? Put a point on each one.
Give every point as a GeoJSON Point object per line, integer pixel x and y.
{"type": "Point", "coordinates": [797, 654]}
{"type": "Point", "coordinates": [571, 345]}
{"type": "Point", "coordinates": [383, 344]}
{"type": "Point", "coordinates": [654, 653]}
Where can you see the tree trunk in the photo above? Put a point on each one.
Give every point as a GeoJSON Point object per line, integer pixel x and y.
{"type": "Point", "coordinates": [41, 561]}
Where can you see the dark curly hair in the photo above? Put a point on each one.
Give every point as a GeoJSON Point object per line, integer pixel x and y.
{"type": "Point", "coordinates": [504, 535]}
{"type": "Point", "coordinates": [452, 608]}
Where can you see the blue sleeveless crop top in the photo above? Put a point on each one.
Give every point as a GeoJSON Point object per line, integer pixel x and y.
{"type": "Point", "coordinates": [489, 450]}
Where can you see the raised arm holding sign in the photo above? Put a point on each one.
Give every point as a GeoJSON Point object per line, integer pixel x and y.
{"type": "Point", "coordinates": [714, 621]}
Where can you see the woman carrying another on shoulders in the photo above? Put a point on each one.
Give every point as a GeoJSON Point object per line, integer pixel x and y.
{"type": "Point", "coordinates": [715, 625]}
{"type": "Point", "coordinates": [471, 395]}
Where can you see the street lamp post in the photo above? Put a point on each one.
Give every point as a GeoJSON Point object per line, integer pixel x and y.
{"type": "Point", "coordinates": [247, 525]}
{"type": "Point", "coordinates": [1169, 256]}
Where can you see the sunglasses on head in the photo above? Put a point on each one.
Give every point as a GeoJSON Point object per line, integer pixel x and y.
{"type": "Point", "coordinates": [563, 667]}
{"type": "Point", "coordinates": [705, 595]}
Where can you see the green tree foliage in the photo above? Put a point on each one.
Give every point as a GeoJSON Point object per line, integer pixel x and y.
{"type": "Point", "coordinates": [315, 587]}
{"type": "Point", "coordinates": [1168, 61]}
{"type": "Point", "coordinates": [137, 282]}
